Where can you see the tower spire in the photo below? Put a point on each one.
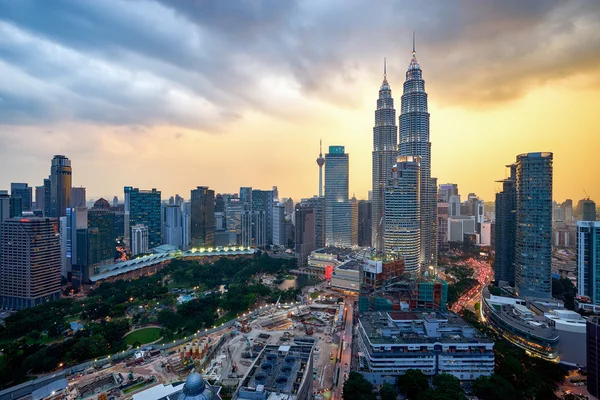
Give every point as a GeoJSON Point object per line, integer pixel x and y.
{"type": "Point", "coordinates": [320, 147]}
{"type": "Point", "coordinates": [414, 51]}
{"type": "Point", "coordinates": [384, 68]}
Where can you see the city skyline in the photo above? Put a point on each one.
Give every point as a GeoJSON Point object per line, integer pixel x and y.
{"type": "Point", "coordinates": [150, 110]}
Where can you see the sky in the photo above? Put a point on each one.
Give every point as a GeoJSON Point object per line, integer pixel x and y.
{"type": "Point", "coordinates": [178, 94]}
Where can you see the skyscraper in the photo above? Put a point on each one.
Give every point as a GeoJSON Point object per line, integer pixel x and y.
{"type": "Point", "coordinates": [402, 213]}
{"type": "Point", "coordinates": [102, 240]}
{"type": "Point", "coordinates": [305, 231]}
{"type": "Point", "coordinates": [39, 198]}
{"type": "Point", "coordinates": [446, 190]}
{"type": "Point", "coordinates": [385, 150]}
{"type": "Point", "coordinates": [278, 219]}
{"type": "Point", "coordinates": [338, 211]}
{"type": "Point", "coordinates": [78, 197]}
{"type": "Point", "coordinates": [47, 197]}
{"type": "Point", "coordinates": [139, 239]}
{"type": "Point", "coordinates": [262, 208]}
{"type": "Point", "coordinates": [588, 260]}
{"type": "Point", "coordinates": [506, 225]}
{"type": "Point", "coordinates": [320, 162]}
{"type": "Point", "coordinates": [143, 207]}
{"type": "Point", "coordinates": [203, 217]}
{"type": "Point", "coordinates": [533, 247]}
{"type": "Point", "coordinates": [25, 192]}
{"type": "Point", "coordinates": [365, 213]}
{"type": "Point", "coordinates": [76, 254]}
{"type": "Point", "coordinates": [172, 225]}
{"type": "Point", "coordinates": [593, 355]}
{"type": "Point", "coordinates": [414, 141]}
{"type": "Point", "coordinates": [586, 209]}
{"type": "Point", "coordinates": [60, 186]}
{"type": "Point", "coordinates": [318, 204]}
{"type": "Point", "coordinates": [30, 262]}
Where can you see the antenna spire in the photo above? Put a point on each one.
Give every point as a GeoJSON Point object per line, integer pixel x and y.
{"type": "Point", "coordinates": [384, 67]}
{"type": "Point", "coordinates": [320, 146]}
{"type": "Point", "coordinates": [414, 51]}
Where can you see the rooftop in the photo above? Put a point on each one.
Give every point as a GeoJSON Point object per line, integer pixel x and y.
{"type": "Point", "coordinates": [350, 265]}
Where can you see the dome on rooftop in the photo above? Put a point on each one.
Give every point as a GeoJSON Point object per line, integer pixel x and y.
{"type": "Point", "coordinates": [196, 389]}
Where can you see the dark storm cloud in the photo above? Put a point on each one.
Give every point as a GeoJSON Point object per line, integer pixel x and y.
{"type": "Point", "coordinates": [200, 63]}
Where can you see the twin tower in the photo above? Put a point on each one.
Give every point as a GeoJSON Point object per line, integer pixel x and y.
{"type": "Point", "coordinates": [404, 197]}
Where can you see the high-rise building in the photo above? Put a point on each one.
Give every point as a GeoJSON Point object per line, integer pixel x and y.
{"type": "Point", "coordinates": [4, 207]}
{"type": "Point", "coordinates": [172, 225]}
{"type": "Point", "coordinates": [446, 190]}
{"type": "Point", "coordinates": [102, 240]}
{"type": "Point", "coordinates": [233, 216]}
{"type": "Point", "coordinates": [402, 213]}
{"type": "Point", "coordinates": [568, 210]}
{"type": "Point", "coordinates": [60, 186]}
{"type": "Point", "coordinates": [39, 198]}
{"type": "Point", "coordinates": [593, 355]}
{"type": "Point", "coordinates": [219, 203]}
{"type": "Point", "coordinates": [320, 162]}
{"type": "Point", "coordinates": [139, 239]}
{"type": "Point", "coordinates": [25, 192]}
{"type": "Point", "coordinates": [588, 260]}
{"type": "Point", "coordinates": [454, 206]}
{"type": "Point", "coordinates": [29, 263]}
{"type": "Point", "coordinates": [246, 197]}
{"type": "Point", "coordinates": [318, 204]}
{"type": "Point", "coordinates": [414, 141]}
{"type": "Point", "coordinates": [76, 254]}
{"type": "Point", "coordinates": [506, 230]}
{"type": "Point", "coordinates": [385, 150]}
{"type": "Point", "coordinates": [279, 224]}
{"type": "Point", "coordinates": [353, 221]}
{"type": "Point", "coordinates": [247, 218]}
{"type": "Point", "coordinates": [586, 210]}
{"type": "Point", "coordinates": [365, 213]}
{"type": "Point", "coordinates": [533, 247]}
{"type": "Point", "coordinates": [15, 207]}
{"type": "Point", "coordinates": [262, 208]}
{"type": "Point", "coordinates": [186, 222]}
{"type": "Point", "coordinates": [101, 204]}
{"type": "Point", "coordinates": [115, 201]}
{"type": "Point", "coordinates": [47, 196]}
{"type": "Point", "coordinates": [305, 231]}
{"type": "Point", "coordinates": [78, 197]}
{"type": "Point", "coordinates": [338, 211]}
{"type": "Point", "coordinates": [143, 207]}
{"type": "Point", "coordinates": [443, 215]}
{"type": "Point", "coordinates": [203, 217]}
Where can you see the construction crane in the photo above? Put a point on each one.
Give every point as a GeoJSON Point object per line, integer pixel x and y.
{"type": "Point", "coordinates": [276, 306]}
{"type": "Point", "coordinates": [249, 346]}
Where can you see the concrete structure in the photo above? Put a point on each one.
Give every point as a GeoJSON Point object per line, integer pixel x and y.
{"type": "Point", "coordinates": [586, 210]}
{"type": "Point", "coordinates": [39, 198]}
{"type": "Point", "coordinates": [304, 232]}
{"type": "Point", "coordinates": [338, 211]}
{"type": "Point", "coordinates": [60, 186]}
{"type": "Point", "coordinates": [443, 215]}
{"type": "Point", "coordinates": [588, 260]}
{"type": "Point", "coordinates": [194, 388]}
{"type": "Point", "coordinates": [278, 219]}
{"type": "Point", "coordinates": [347, 276]}
{"type": "Point", "coordinates": [262, 208]}
{"type": "Point", "coordinates": [414, 141]}
{"type": "Point", "coordinates": [318, 204]}
{"type": "Point", "coordinates": [402, 229]}
{"type": "Point", "coordinates": [143, 207]}
{"type": "Point", "coordinates": [485, 236]}
{"type": "Point", "coordinates": [570, 327]}
{"type": "Point", "coordinates": [459, 226]}
{"type": "Point", "coordinates": [385, 151]}
{"type": "Point", "coordinates": [446, 190]}
{"type": "Point", "coordinates": [139, 239]}
{"type": "Point", "coordinates": [202, 217]}
{"type": "Point", "coordinates": [278, 373]}
{"type": "Point", "coordinates": [390, 343]}
{"type": "Point", "coordinates": [233, 216]}
{"type": "Point", "coordinates": [172, 225]}
{"type": "Point", "coordinates": [454, 206]}
{"type": "Point", "coordinates": [533, 246]}
{"type": "Point", "coordinates": [78, 197]}
{"type": "Point", "coordinates": [76, 254]}
{"type": "Point", "coordinates": [29, 262]}
{"type": "Point", "coordinates": [510, 317]}
{"type": "Point", "coordinates": [593, 355]}
{"type": "Point", "coordinates": [365, 223]}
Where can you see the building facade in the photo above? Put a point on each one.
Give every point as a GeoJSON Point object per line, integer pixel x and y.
{"type": "Point", "coordinates": [60, 186]}
{"type": "Point", "coordinates": [278, 225]}
{"type": "Point", "coordinates": [533, 246]}
{"type": "Point", "coordinates": [25, 192]}
{"type": "Point", "coordinates": [338, 211]}
{"type": "Point", "coordinates": [30, 262]}
{"type": "Point", "coordinates": [142, 207]}
{"type": "Point", "coordinates": [588, 260]}
{"type": "Point", "coordinates": [172, 225]}
{"type": "Point", "coordinates": [262, 207]}
{"type": "Point", "coordinates": [365, 227]}
{"type": "Point", "coordinates": [506, 225]}
{"type": "Point", "coordinates": [385, 151]}
{"type": "Point", "coordinates": [593, 355]}
{"type": "Point", "coordinates": [203, 217]}
{"type": "Point", "coordinates": [305, 234]}
{"type": "Point", "coordinates": [442, 216]}
{"type": "Point", "coordinates": [139, 239]}
{"type": "Point", "coordinates": [446, 190]}
{"type": "Point", "coordinates": [414, 141]}
{"type": "Point", "coordinates": [402, 229]}
{"type": "Point", "coordinates": [78, 198]}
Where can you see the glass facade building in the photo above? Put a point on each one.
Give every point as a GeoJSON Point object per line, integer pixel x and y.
{"type": "Point", "coordinates": [23, 191]}
{"type": "Point", "coordinates": [414, 141]}
{"type": "Point", "coordinates": [588, 260]}
{"type": "Point", "coordinates": [60, 186]}
{"type": "Point", "coordinates": [385, 151]}
{"type": "Point", "coordinates": [593, 355]}
{"type": "Point", "coordinates": [402, 213]}
{"type": "Point", "coordinates": [506, 205]}
{"type": "Point", "coordinates": [203, 217]}
{"type": "Point", "coordinates": [143, 207]}
{"type": "Point", "coordinates": [533, 246]}
{"type": "Point", "coordinates": [338, 211]}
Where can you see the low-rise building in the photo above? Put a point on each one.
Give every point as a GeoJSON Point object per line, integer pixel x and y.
{"type": "Point", "coordinates": [194, 388]}
{"type": "Point", "coordinates": [347, 276]}
{"type": "Point", "coordinates": [279, 373]}
{"type": "Point", "coordinates": [390, 343]}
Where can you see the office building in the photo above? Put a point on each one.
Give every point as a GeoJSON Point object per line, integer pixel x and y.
{"type": "Point", "coordinates": [280, 372]}
{"type": "Point", "coordinates": [78, 197]}
{"type": "Point", "coordinates": [139, 239]}
{"type": "Point", "coordinates": [246, 228]}
{"type": "Point", "coordinates": [25, 192]}
{"type": "Point", "coordinates": [305, 234]}
{"type": "Point", "coordinates": [102, 245]}
{"type": "Point", "coordinates": [279, 225]}
{"type": "Point", "coordinates": [246, 196]}
{"type": "Point", "coordinates": [262, 208]}
{"type": "Point", "coordinates": [588, 260]}
{"type": "Point", "coordinates": [30, 262]}
{"type": "Point", "coordinates": [446, 190]}
{"type": "Point", "coordinates": [385, 151]}
{"type": "Point", "coordinates": [567, 206]}
{"type": "Point", "coordinates": [15, 207]}
{"type": "Point", "coordinates": [506, 230]}
{"type": "Point", "coordinates": [219, 203]}
{"type": "Point", "coordinates": [338, 211]}
{"type": "Point", "coordinates": [60, 186]}
{"type": "Point", "coordinates": [47, 197]}
{"type": "Point", "coordinates": [533, 247]}
{"type": "Point", "coordinates": [4, 207]}
{"type": "Point", "coordinates": [390, 343]}
{"type": "Point", "coordinates": [186, 225]}
{"type": "Point", "coordinates": [586, 210]}
{"type": "Point", "coordinates": [318, 203]}
{"type": "Point", "coordinates": [76, 245]}
{"type": "Point", "coordinates": [454, 206]}
{"type": "Point", "coordinates": [142, 207]}
{"type": "Point", "coordinates": [402, 214]}
{"type": "Point", "coordinates": [203, 217]}
{"type": "Point", "coordinates": [320, 163]}
{"type": "Point", "coordinates": [593, 356]}
{"type": "Point", "coordinates": [414, 141]}
{"type": "Point", "coordinates": [443, 215]}
{"type": "Point", "coordinates": [172, 225]}
{"type": "Point", "coordinates": [365, 215]}
{"type": "Point", "coordinates": [233, 215]}
{"type": "Point", "coordinates": [39, 198]}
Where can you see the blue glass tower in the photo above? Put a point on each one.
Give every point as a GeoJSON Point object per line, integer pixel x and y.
{"type": "Point", "coordinates": [414, 141]}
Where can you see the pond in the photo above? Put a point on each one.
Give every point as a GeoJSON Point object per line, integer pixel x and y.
{"type": "Point", "coordinates": [300, 282]}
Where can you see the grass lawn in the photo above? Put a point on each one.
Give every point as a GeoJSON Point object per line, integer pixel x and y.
{"type": "Point", "coordinates": [145, 335]}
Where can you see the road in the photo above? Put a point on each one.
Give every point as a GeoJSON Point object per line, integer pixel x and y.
{"type": "Point", "coordinates": [346, 359]}
{"type": "Point", "coordinates": [484, 275]}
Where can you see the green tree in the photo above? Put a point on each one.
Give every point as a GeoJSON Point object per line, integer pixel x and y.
{"type": "Point", "coordinates": [357, 387]}
{"type": "Point", "coordinates": [388, 392]}
{"type": "Point", "coordinates": [448, 386]}
{"type": "Point", "coordinates": [412, 383]}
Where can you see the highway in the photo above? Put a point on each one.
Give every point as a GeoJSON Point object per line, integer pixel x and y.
{"type": "Point", "coordinates": [346, 359]}
{"type": "Point", "coordinates": [484, 275]}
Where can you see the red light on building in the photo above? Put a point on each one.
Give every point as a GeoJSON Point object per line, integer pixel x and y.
{"type": "Point", "coordinates": [24, 220]}
{"type": "Point", "coordinates": [328, 271]}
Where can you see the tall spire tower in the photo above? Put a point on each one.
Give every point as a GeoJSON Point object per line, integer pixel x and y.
{"type": "Point", "coordinates": [414, 141]}
{"type": "Point", "coordinates": [385, 151]}
{"type": "Point", "coordinates": [320, 163]}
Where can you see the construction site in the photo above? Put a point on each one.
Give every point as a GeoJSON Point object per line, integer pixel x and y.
{"type": "Point", "coordinates": [224, 358]}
